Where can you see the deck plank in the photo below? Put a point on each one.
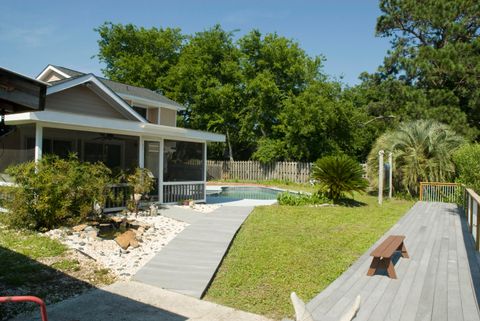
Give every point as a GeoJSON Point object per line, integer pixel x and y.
{"type": "Point", "coordinates": [437, 282]}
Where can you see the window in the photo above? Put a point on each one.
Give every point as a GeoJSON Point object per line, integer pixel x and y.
{"type": "Point", "coordinates": [141, 111]}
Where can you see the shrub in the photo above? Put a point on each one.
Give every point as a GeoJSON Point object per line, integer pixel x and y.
{"type": "Point", "coordinates": [287, 198]}
{"type": "Point", "coordinates": [55, 192]}
{"type": "Point", "coordinates": [337, 175]}
{"type": "Point", "coordinates": [467, 165]}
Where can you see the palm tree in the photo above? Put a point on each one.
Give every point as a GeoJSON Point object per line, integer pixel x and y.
{"type": "Point", "coordinates": [422, 151]}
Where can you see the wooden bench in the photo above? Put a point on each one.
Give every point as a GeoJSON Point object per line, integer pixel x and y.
{"type": "Point", "coordinates": [382, 255]}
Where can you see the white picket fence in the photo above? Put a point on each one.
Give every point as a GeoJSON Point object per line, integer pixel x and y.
{"type": "Point", "coordinates": [253, 170]}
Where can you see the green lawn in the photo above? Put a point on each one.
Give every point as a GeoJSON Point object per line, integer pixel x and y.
{"type": "Point", "coordinates": [32, 264]}
{"type": "Point", "coordinates": [281, 249]}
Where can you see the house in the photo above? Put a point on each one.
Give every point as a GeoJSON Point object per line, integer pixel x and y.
{"type": "Point", "coordinates": [121, 125]}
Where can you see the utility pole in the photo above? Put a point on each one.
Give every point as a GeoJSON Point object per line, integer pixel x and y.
{"type": "Point", "coordinates": [380, 177]}
{"type": "Point", "coordinates": [390, 175]}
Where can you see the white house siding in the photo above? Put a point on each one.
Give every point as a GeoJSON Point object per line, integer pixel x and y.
{"type": "Point", "coordinates": [168, 117]}
{"type": "Point", "coordinates": [81, 100]}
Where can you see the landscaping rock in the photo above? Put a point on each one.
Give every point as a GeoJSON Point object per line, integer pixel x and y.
{"type": "Point", "coordinates": [79, 228]}
{"type": "Point", "coordinates": [124, 239]}
{"type": "Point", "coordinates": [134, 244]}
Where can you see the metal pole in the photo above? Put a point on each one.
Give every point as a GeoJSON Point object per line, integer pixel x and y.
{"type": "Point", "coordinates": [390, 175]}
{"type": "Point", "coordinates": [380, 177]}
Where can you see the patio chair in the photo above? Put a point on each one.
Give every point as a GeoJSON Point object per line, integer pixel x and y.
{"type": "Point", "coordinates": [302, 313]}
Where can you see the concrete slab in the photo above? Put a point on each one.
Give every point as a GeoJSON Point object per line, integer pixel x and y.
{"type": "Point", "coordinates": [135, 301]}
{"type": "Point", "coordinates": [189, 262]}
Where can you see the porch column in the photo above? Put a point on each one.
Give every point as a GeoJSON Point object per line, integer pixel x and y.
{"type": "Point", "coordinates": [141, 152]}
{"type": "Point", "coordinates": [205, 171]}
{"type": "Point", "coordinates": [38, 142]}
{"type": "Point", "coordinates": [160, 171]}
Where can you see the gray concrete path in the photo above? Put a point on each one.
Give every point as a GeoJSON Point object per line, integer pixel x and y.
{"type": "Point", "coordinates": [188, 263]}
{"type": "Point", "coordinates": [181, 214]}
{"type": "Point", "coordinates": [134, 301]}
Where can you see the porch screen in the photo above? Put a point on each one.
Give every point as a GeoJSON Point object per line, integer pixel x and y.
{"type": "Point", "coordinates": [183, 161]}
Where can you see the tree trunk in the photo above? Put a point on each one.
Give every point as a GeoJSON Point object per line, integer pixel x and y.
{"type": "Point", "coordinates": [230, 152]}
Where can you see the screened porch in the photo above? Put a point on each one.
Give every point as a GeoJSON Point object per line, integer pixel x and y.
{"type": "Point", "coordinates": [178, 167]}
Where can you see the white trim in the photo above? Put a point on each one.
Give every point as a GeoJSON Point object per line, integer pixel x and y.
{"type": "Point", "coordinates": [141, 152]}
{"type": "Point", "coordinates": [64, 120]}
{"type": "Point", "coordinates": [38, 142]}
{"type": "Point", "coordinates": [160, 172]}
{"type": "Point", "coordinates": [91, 78]}
{"type": "Point", "coordinates": [150, 102]}
{"type": "Point", "coordinates": [205, 170]}
{"type": "Point", "coordinates": [51, 68]}
{"type": "Point", "coordinates": [183, 183]}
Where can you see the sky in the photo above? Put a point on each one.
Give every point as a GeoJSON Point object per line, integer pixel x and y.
{"type": "Point", "coordinates": [34, 34]}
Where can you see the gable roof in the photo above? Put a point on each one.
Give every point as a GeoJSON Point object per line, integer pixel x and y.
{"type": "Point", "coordinates": [140, 94]}
{"type": "Point", "coordinates": [92, 81]}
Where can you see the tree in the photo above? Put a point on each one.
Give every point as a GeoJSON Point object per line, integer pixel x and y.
{"type": "Point", "coordinates": [207, 80]}
{"type": "Point", "coordinates": [422, 151]}
{"type": "Point", "coordinates": [274, 68]}
{"type": "Point", "coordinates": [317, 122]}
{"type": "Point", "coordinates": [467, 166]}
{"type": "Point", "coordinates": [435, 56]}
{"type": "Point", "coordinates": [138, 56]}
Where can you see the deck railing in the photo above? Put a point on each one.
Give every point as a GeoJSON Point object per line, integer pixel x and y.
{"type": "Point", "coordinates": [472, 204]}
{"type": "Point", "coordinates": [441, 192]}
{"type": "Point", "coordinates": [467, 198]}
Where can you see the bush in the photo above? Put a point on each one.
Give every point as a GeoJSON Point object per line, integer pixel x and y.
{"type": "Point", "coordinates": [287, 198]}
{"type": "Point", "coordinates": [337, 175]}
{"type": "Point", "coordinates": [467, 165]}
{"type": "Point", "coordinates": [55, 192]}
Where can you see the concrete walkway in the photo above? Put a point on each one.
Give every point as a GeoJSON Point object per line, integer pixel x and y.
{"type": "Point", "coordinates": [188, 263]}
{"type": "Point", "coordinates": [134, 301]}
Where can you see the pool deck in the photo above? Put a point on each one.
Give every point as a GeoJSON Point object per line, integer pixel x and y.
{"type": "Point", "coordinates": [189, 262]}
{"type": "Point", "coordinates": [440, 281]}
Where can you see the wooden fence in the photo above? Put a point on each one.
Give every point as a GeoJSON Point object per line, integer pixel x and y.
{"type": "Point", "coordinates": [297, 172]}
{"type": "Point", "coordinates": [253, 170]}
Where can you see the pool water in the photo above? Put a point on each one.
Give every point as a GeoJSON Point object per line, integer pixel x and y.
{"type": "Point", "coordinates": [246, 192]}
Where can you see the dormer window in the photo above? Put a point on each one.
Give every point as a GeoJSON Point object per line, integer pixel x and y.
{"type": "Point", "coordinates": [142, 111]}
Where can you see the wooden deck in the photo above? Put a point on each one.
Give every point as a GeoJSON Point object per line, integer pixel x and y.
{"type": "Point", "coordinates": [440, 280]}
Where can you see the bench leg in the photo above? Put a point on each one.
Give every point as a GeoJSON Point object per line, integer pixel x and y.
{"type": "Point", "coordinates": [390, 269]}
{"type": "Point", "coordinates": [373, 266]}
{"type": "Point", "coordinates": [403, 249]}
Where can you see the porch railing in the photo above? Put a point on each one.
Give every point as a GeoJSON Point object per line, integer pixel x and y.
{"type": "Point", "coordinates": [174, 192]}
{"type": "Point", "coordinates": [117, 197]}
{"type": "Point", "coordinates": [441, 192]}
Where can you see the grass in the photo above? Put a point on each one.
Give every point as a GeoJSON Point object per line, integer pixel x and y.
{"type": "Point", "coordinates": [281, 249]}
{"type": "Point", "coordinates": [19, 251]}
{"type": "Point", "coordinates": [32, 264]}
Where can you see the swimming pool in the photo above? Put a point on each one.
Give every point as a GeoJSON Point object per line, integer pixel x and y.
{"type": "Point", "coordinates": [243, 192]}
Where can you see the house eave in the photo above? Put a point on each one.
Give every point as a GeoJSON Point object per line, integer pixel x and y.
{"type": "Point", "coordinates": [149, 102]}
{"type": "Point", "coordinates": [72, 121]}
